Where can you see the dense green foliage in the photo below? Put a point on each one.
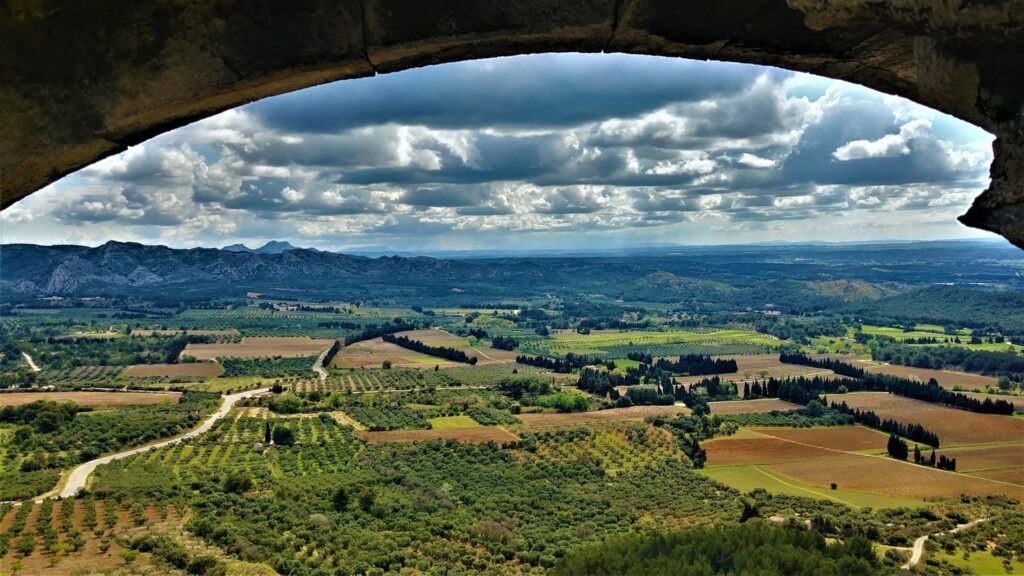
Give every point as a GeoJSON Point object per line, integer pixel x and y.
{"type": "Point", "coordinates": [70, 352]}
{"type": "Point", "coordinates": [275, 367]}
{"type": "Point", "coordinates": [950, 358]}
{"type": "Point", "coordinates": [46, 436]}
{"type": "Point", "coordinates": [727, 550]}
{"type": "Point", "coordinates": [958, 305]}
{"type": "Point", "coordinates": [687, 364]}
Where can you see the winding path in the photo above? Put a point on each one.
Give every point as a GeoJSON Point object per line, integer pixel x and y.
{"type": "Point", "coordinates": [915, 557]}
{"type": "Point", "coordinates": [80, 475]}
{"type": "Point", "coordinates": [318, 365]}
{"type": "Point", "coordinates": [31, 362]}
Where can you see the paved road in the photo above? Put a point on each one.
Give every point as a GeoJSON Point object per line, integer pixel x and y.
{"type": "Point", "coordinates": [78, 477]}
{"type": "Point", "coordinates": [31, 363]}
{"type": "Point", "coordinates": [919, 543]}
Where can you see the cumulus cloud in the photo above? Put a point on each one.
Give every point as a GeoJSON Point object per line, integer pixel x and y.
{"type": "Point", "coordinates": [887, 146]}
{"type": "Point", "coordinates": [755, 161]}
{"type": "Point", "coordinates": [536, 146]}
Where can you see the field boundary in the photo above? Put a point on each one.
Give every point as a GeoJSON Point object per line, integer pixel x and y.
{"type": "Point", "coordinates": [781, 481]}
{"type": "Point", "coordinates": [889, 459]}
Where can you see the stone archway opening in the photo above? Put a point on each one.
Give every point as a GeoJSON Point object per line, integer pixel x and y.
{"type": "Point", "coordinates": [85, 81]}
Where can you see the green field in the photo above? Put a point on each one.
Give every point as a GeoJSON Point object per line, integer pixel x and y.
{"type": "Point", "coordinates": [899, 334]}
{"type": "Point", "coordinates": [928, 331]}
{"type": "Point", "coordinates": [978, 562]}
{"type": "Point", "coordinates": [747, 477]}
{"type": "Point", "coordinates": [669, 342]}
{"type": "Point", "coordinates": [450, 422]}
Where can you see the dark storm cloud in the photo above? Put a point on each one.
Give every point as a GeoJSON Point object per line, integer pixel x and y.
{"type": "Point", "coordinates": [444, 197]}
{"type": "Point", "coordinates": [540, 91]}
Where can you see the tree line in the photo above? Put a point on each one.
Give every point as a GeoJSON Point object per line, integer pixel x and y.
{"type": "Point", "coordinates": [898, 449]}
{"type": "Point", "coordinates": [453, 354]}
{"type": "Point", "coordinates": [504, 343]}
{"type": "Point", "coordinates": [950, 358]}
{"type": "Point", "coordinates": [380, 330]}
{"type": "Point", "coordinates": [869, 418]}
{"type": "Point", "coordinates": [331, 353]}
{"type": "Point", "coordinates": [564, 365]}
{"type": "Point", "coordinates": [928, 392]}
{"type": "Point", "coordinates": [688, 364]}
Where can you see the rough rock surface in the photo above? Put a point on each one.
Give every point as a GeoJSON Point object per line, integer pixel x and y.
{"type": "Point", "coordinates": [83, 80]}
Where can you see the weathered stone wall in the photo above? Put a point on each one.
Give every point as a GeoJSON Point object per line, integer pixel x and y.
{"type": "Point", "coordinates": [80, 80]}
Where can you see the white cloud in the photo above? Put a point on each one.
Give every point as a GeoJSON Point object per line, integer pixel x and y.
{"type": "Point", "coordinates": [754, 161]}
{"type": "Point", "coordinates": [888, 146]}
{"type": "Point", "coordinates": [725, 160]}
{"type": "Point", "coordinates": [292, 195]}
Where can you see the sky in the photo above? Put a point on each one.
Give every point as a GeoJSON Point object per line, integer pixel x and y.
{"type": "Point", "coordinates": [534, 152]}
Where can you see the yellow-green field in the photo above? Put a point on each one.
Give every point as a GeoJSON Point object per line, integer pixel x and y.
{"type": "Point", "coordinates": [978, 562]}
{"type": "Point", "coordinates": [748, 477]}
{"type": "Point", "coordinates": [937, 332]}
{"type": "Point", "coordinates": [899, 334]}
{"type": "Point", "coordinates": [656, 343]}
{"type": "Point", "coordinates": [451, 422]}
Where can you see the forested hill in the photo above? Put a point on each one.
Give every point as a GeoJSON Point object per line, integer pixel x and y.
{"type": "Point", "coordinates": [939, 304]}
{"type": "Point", "coordinates": [793, 279]}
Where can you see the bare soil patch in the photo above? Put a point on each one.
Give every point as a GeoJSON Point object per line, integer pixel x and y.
{"type": "Point", "coordinates": [846, 438]}
{"type": "Point", "coordinates": [750, 406]}
{"type": "Point", "coordinates": [202, 369]}
{"type": "Point", "coordinates": [729, 451]}
{"type": "Point", "coordinates": [945, 378]}
{"type": "Point", "coordinates": [612, 415]}
{"type": "Point", "coordinates": [465, 435]}
{"type": "Point", "coordinates": [264, 347]}
{"type": "Point", "coordinates": [883, 475]}
{"type": "Point", "coordinates": [372, 354]}
{"type": "Point", "coordinates": [90, 398]}
{"type": "Point", "coordinates": [1013, 475]}
{"type": "Point", "coordinates": [953, 426]}
{"type": "Point", "coordinates": [985, 457]}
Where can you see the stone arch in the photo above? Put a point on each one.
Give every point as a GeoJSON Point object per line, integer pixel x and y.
{"type": "Point", "coordinates": [82, 80]}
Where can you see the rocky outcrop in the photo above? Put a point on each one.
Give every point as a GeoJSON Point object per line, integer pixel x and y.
{"type": "Point", "coordinates": [82, 80]}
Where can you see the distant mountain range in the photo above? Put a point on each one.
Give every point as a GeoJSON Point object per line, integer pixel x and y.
{"type": "Point", "coordinates": [272, 247]}
{"type": "Point", "coordinates": [847, 273]}
{"type": "Point", "coordinates": [114, 266]}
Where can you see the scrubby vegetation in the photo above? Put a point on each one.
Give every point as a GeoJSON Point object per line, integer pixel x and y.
{"type": "Point", "coordinates": [748, 549]}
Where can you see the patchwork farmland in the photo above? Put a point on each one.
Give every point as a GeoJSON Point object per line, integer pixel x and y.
{"type": "Point", "coordinates": [200, 369]}
{"type": "Point", "coordinates": [750, 406]}
{"type": "Point", "coordinates": [853, 458]}
{"type": "Point", "coordinates": [263, 347]}
{"type": "Point", "coordinates": [945, 378]}
{"type": "Point", "coordinates": [90, 398]}
{"type": "Point", "coordinates": [617, 344]}
{"type": "Point", "coordinates": [953, 426]}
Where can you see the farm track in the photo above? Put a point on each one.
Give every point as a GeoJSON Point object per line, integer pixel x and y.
{"type": "Point", "coordinates": [31, 362]}
{"type": "Point", "coordinates": [915, 557]}
{"type": "Point", "coordinates": [78, 477]}
{"type": "Point", "coordinates": [815, 492]}
{"type": "Point", "coordinates": [481, 352]}
{"type": "Point", "coordinates": [318, 365]}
